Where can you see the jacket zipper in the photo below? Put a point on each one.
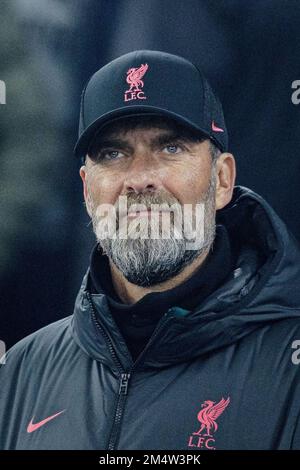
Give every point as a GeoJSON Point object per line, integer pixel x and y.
{"type": "Point", "coordinates": [124, 375]}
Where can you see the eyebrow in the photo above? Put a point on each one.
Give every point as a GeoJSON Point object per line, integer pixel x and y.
{"type": "Point", "coordinates": [155, 142]}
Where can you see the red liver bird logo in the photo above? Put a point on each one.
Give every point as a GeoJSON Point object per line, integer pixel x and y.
{"type": "Point", "coordinates": [208, 415]}
{"type": "Point", "coordinates": [134, 77]}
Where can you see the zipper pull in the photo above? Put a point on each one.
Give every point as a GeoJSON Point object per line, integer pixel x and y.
{"type": "Point", "coordinates": [124, 384]}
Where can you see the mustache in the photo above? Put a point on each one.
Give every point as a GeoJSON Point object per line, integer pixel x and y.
{"type": "Point", "coordinates": [146, 200]}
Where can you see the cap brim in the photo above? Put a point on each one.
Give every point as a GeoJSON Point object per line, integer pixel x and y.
{"type": "Point", "coordinates": [83, 143]}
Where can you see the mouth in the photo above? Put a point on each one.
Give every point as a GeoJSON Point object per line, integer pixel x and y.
{"type": "Point", "coordinates": [145, 213]}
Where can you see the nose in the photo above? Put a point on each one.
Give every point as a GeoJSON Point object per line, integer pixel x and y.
{"type": "Point", "coordinates": [141, 176]}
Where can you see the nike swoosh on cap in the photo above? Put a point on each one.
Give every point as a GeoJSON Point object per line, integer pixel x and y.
{"type": "Point", "coordinates": [216, 128]}
{"type": "Point", "coordinates": [34, 426]}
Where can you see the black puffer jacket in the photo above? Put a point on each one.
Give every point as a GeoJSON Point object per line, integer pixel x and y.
{"type": "Point", "coordinates": [220, 376]}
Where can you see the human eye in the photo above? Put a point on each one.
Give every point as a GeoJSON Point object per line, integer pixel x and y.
{"type": "Point", "coordinates": [109, 154]}
{"type": "Point", "coordinates": [173, 148]}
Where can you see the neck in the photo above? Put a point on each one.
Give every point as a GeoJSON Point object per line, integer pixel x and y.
{"type": "Point", "coordinates": [131, 293]}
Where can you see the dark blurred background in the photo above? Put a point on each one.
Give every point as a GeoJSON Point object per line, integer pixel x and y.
{"type": "Point", "coordinates": [250, 52]}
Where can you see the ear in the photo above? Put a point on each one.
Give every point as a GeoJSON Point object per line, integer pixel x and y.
{"type": "Point", "coordinates": [225, 174]}
{"type": "Point", "coordinates": [86, 194]}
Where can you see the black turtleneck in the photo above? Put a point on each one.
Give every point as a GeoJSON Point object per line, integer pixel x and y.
{"type": "Point", "coordinates": [137, 321]}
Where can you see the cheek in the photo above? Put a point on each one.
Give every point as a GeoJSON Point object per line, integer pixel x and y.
{"type": "Point", "coordinates": [189, 184]}
{"type": "Point", "coordinates": [102, 188]}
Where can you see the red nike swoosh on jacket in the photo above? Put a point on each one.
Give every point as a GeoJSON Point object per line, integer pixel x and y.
{"type": "Point", "coordinates": [34, 426]}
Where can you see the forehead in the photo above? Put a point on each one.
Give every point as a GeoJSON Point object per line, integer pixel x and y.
{"type": "Point", "coordinates": [149, 124]}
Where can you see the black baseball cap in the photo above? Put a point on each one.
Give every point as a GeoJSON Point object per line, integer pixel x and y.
{"type": "Point", "coordinates": [150, 82]}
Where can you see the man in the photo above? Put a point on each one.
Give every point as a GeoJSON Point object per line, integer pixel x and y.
{"type": "Point", "coordinates": [185, 340]}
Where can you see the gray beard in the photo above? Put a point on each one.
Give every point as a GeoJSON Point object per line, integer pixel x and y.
{"type": "Point", "coordinates": [149, 262]}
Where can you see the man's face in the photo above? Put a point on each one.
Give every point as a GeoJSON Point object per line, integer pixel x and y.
{"type": "Point", "coordinates": [156, 163]}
